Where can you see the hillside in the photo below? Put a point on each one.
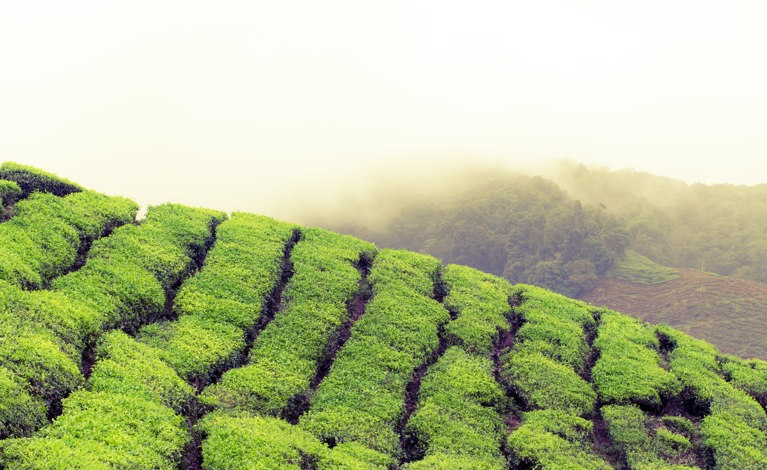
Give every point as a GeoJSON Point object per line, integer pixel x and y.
{"type": "Point", "coordinates": [727, 311]}
{"type": "Point", "coordinates": [198, 339]}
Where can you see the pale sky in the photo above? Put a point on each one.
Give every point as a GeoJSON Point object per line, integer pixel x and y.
{"type": "Point", "coordinates": [238, 104]}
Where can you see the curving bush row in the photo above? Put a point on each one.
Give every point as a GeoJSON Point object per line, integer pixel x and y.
{"type": "Point", "coordinates": [242, 269]}
{"type": "Point", "coordinates": [127, 418]}
{"type": "Point", "coordinates": [457, 423]}
{"type": "Point", "coordinates": [554, 439]}
{"type": "Point", "coordinates": [362, 398]}
{"type": "Point", "coordinates": [31, 179]}
{"type": "Point", "coordinates": [481, 302]}
{"type": "Point", "coordinates": [123, 283]}
{"type": "Point", "coordinates": [543, 368]}
{"type": "Point", "coordinates": [150, 372]}
{"type": "Point", "coordinates": [628, 369]}
{"type": "Point", "coordinates": [650, 443]}
{"type": "Point", "coordinates": [10, 192]}
{"type": "Point", "coordinates": [43, 238]}
{"type": "Point", "coordinates": [239, 441]}
{"type": "Point", "coordinates": [285, 356]}
{"type": "Point", "coordinates": [734, 427]}
{"type": "Point", "coordinates": [551, 350]}
{"type": "Point", "coordinates": [747, 375]}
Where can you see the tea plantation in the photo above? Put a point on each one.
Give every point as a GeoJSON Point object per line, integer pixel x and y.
{"type": "Point", "coordinates": [196, 339]}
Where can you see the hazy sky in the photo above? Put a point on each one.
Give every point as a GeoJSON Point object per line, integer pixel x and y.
{"type": "Point", "coordinates": [237, 104]}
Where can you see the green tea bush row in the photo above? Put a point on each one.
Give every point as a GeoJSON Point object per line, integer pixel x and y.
{"type": "Point", "coordinates": [362, 398]}
{"type": "Point", "coordinates": [239, 441]}
{"type": "Point", "coordinates": [554, 440]}
{"type": "Point", "coordinates": [747, 375]}
{"type": "Point", "coordinates": [20, 412]}
{"type": "Point", "coordinates": [551, 349]}
{"type": "Point", "coordinates": [285, 356]}
{"type": "Point", "coordinates": [125, 419]}
{"type": "Point", "coordinates": [482, 303]}
{"type": "Point", "coordinates": [43, 238]}
{"type": "Point", "coordinates": [457, 422]}
{"type": "Point", "coordinates": [628, 369]}
{"type": "Point", "coordinates": [734, 428]}
{"type": "Point", "coordinates": [46, 332]}
{"type": "Point", "coordinates": [10, 192]}
{"type": "Point", "coordinates": [542, 369]}
{"type": "Point", "coordinates": [645, 444]}
{"type": "Point", "coordinates": [32, 179]}
{"type": "Point", "coordinates": [102, 430]}
{"type": "Point", "coordinates": [554, 325]}
{"type": "Point", "coordinates": [241, 270]}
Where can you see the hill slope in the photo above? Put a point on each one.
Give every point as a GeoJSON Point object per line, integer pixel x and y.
{"type": "Point", "coordinates": [194, 339]}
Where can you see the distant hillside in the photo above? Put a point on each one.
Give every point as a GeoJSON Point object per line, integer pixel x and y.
{"type": "Point", "coordinates": [729, 312]}
{"type": "Point", "coordinates": [195, 339]}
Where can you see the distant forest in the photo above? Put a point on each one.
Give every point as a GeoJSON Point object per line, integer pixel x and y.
{"type": "Point", "coordinates": [568, 229]}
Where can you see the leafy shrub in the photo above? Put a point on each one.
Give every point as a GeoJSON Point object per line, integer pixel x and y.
{"type": "Point", "coordinates": [32, 179]}
{"type": "Point", "coordinates": [544, 383]}
{"type": "Point", "coordinates": [127, 367]}
{"type": "Point", "coordinates": [628, 369]}
{"type": "Point", "coordinates": [10, 192]}
{"type": "Point", "coordinates": [242, 268]}
{"type": "Point", "coordinates": [552, 439]}
{"type": "Point", "coordinates": [362, 397]}
{"type": "Point", "coordinates": [44, 237]}
{"type": "Point", "coordinates": [482, 303]}
{"type": "Point", "coordinates": [555, 324]}
{"type": "Point", "coordinates": [103, 430]}
{"type": "Point", "coordinates": [20, 412]}
{"type": "Point", "coordinates": [456, 415]}
{"type": "Point", "coordinates": [196, 348]}
{"type": "Point", "coordinates": [749, 376]}
{"type": "Point", "coordinates": [241, 441]}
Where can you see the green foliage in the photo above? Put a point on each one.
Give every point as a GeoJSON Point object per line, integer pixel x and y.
{"type": "Point", "coordinates": [641, 270]}
{"type": "Point", "coordinates": [628, 369]}
{"type": "Point", "coordinates": [734, 429]}
{"type": "Point", "coordinates": [552, 439]}
{"type": "Point", "coordinates": [20, 412]}
{"type": "Point", "coordinates": [555, 324]}
{"type": "Point", "coordinates": [736, 445]}
{"type": "Point", "coordinates": [241, 441]}
{"type": "Point", "coordinates": [240, 271]}
{"type": "Point", "coordinates": [32, 179]}
{"type": "Point", "coordinates": [196, 348]}
{"type": "Point", "coordinates": [127, 367]}
{"type": "Point", "coordinates": [103, 430]}
{"type": "Point", "coordinates": [10, 192]}
{"type": "Point", "coordinates": [747, 375]}
{"type": "Point", "coordinates": [544, 383]}
{"type": "Point", "coordinates": [284, 357]}
{"type": "Point", "coordinates": [362, 397]}
{"type": "Point", "coordinates": [551, 348]}
{"type": "Point", "coordinates": [643, 449]}
{"type": "Point", "coordinates": [411, 271]}
{"type": "Point", "coordinates": [44, 333]}
{"type": "Point", "coordinates": [482, 301]}
{"type": "Point", "coordinates": [456, 415]}
{"type": "Point", "coordinates": [43, 238]}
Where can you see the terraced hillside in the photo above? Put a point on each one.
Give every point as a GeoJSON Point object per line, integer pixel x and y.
{"type": "Point", "coordinates": [193, 339]}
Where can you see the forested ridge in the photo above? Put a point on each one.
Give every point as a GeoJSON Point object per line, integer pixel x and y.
{"type": "Point", "coordinates": [566, 229]}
